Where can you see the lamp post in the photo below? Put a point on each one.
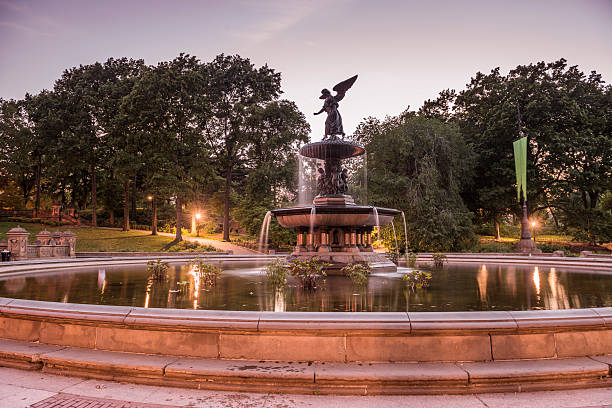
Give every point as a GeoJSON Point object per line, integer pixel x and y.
{"type": "Point", "coordinates": [533, 226]}
{"type": "Point", "coordinates": [198, 215]}
{"type": "Point", "coordinates": [153, 215]}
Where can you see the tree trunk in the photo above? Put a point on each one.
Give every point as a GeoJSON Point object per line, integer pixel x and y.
{"type": "Point", "coordinates": [154, 216]}
{"type": "Point", "coordinates": [126, 205]}
{"type": "Point", "coordinates": [94, 202]}
{"type": "Point", "coordinates": [228, 184]}
{"type": "Point", "coordinates": [134, 197]}
{"type": "Point", "coordinates": [497, 234]}
{"type": "Point", "coordinates": [179, 224]}
{"type": "Point", "coordinates": [37, 201]}
{"type": "Point", "coordinates": [111, 219]}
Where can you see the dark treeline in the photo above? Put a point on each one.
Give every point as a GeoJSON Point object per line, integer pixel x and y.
{"type": "Point", "coordinates": [183, 133]}
{"type": "Point", "coordinates": [214, 137]}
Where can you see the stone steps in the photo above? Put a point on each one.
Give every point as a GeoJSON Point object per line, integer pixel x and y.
{"type": "Point", "coordinates": [311, 377]}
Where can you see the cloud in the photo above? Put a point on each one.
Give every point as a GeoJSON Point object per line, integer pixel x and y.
{"type": "Point", "coordinates": [24, 28]}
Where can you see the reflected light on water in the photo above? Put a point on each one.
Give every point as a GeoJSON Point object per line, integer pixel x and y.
{"type": "Point", "coordinates": [536, 279]}
{"type": "Point", "coordinates": [195, 274]}
{"type": "Point", "coordinates": [482, 278]}
{"type": "Point", "coordinates": [279, 301]}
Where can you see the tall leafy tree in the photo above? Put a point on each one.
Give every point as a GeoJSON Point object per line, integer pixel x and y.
{"type": "Point", "coordinates": [234, 87]}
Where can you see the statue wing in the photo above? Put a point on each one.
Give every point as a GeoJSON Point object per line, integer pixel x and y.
{"type": "Point", "coordinates": [344, 86]}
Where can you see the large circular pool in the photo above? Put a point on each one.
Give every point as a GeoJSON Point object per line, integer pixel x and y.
{"type": "Point", "coordinates": [453, 288]}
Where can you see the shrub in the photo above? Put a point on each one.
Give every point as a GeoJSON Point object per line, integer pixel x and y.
{"type": "Point", "coordinates": [190, 246]}
{"type": "Point", "coordinates": [412, 258]}
{"type": "Point", "coordinates": [417, 280]}
{"type": "Point", "coordinates": [438, 260]}
{"type": "Point", "coordinates": [308, 272]}
{"type": "Point", "coordinates": [277, 273]}
{"type": "Point", "coordinates": [158, 270]}
{"type": "Point", "coordinates": [358, 273]}
{"type": "Point", "coordinates": [494, 247]}
{"type": "Point", "coordinates": [550, 247]}
{"type": "Point", "coordinates": [206, 272]}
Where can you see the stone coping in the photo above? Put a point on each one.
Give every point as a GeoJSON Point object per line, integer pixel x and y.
{"type": "Point", "coordinates": [311, 377]}
{"type": "Point", "coordinates": [333, 337]}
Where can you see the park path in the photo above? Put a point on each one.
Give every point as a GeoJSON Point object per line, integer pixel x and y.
{"type": "Point", "coordinates": [220, 245]}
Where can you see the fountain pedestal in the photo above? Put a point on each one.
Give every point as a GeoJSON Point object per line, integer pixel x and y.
{"type": "Point", "coordinates": [334, 229]}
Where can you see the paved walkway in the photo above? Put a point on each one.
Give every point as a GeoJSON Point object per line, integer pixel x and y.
{"type": "Point", "coordinates": [21, 389]}
{"type": "Point", "coordinates": [220, 245]}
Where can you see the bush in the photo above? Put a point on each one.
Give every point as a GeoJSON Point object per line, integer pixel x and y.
{"type": "Point", "coordinates": [206, 272]}
{"type": "Point", "coordinates": [438, 260]}
{"type": "Point", "coordinates": [158, 270]}
{"type": "Point", "coordinates": [550, 247]}
{"type": "Point", "coordinates": [277, 273]}
{"type": "Point", "coordinates": [358, 273]}
{"type": "Point", "coordinates": [308, 272]}
{"type": "Point", "coordinates": [412, 258]}
{"type": "Point", "coordinates": [190, 246]}
{"type": "Point", "coordinates": [494, 247]}
{"type": "Point", "coordinates": [417, 280]}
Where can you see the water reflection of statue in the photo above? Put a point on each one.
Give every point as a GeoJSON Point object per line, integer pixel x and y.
{"type": "Point", "coordinates": [333, 123]}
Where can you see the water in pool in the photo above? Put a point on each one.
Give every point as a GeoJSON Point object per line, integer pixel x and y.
{"type": "Point", "coordinates": [453, 288]}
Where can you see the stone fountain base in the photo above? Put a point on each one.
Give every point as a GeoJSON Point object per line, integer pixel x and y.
{"type": "Point", "coordinates": [338, 260]}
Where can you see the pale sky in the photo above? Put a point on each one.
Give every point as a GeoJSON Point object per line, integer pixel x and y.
{"type": "Point", "coordinates": [404, 51]}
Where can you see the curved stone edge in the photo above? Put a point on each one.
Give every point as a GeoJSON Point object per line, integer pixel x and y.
{"type": "Point", "coordinates": [310, 377]}
{"type": "Point", "coordinates": [297, 336]}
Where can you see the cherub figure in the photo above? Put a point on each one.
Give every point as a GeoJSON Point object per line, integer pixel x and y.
{"type": "Point", "coordinates": [333, 123]}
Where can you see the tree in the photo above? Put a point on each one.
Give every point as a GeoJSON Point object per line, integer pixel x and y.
{"type": "Point", "coordinates": [234, 88]}
{"type": "Point", "coordinates": [163, 115]}
{"type": "Point", "coordinates": [418, 165]}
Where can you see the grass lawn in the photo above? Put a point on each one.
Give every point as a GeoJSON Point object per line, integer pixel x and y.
{"type": "Point", "coordinates": [539, 238]}
{"type": "Point", "coordinates": [98, 239]}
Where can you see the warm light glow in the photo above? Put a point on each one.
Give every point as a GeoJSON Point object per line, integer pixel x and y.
{"type": "Point", "coordinates": [198, 215]}
{"type": "Point", "coordinates": [195, 273]}
{"type": "Point", "coordinates": [536, 279]}
{"type": "Point", "coordinates": [150, 198]}
{"type": "Point", "coordinates": [533, 223]}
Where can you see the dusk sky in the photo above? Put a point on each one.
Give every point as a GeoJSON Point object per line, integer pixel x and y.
{"type": "Point", "coordinates": [404, 51]}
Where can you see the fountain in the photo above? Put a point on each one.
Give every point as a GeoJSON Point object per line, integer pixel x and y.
{"type": "Point", "coordinates": [334, 229]}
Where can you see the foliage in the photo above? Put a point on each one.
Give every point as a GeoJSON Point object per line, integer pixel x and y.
{"type": "Point", "coordinates": [358, 273]}
{"type": "Point", "coordinates": [191, 246]}
{"type": "Point", "coordinates": [495, 247]}
{"type": "Point", "coordinates": [309, 272]}
{"type": "Point", "coordinates": [276, 273]}
{"type": "Point", "coordinates": [417, 279]}
{"type": "Point", "coordinates": [438, 260]}
{"type": "Point", "coordinates": [157, 270]}
{"type": "Point", "coordinates": [206, 272]}
{"type": "Point", "coordinates": [412, 259]}
{"type": "Point", "coordinates": [418, 165]}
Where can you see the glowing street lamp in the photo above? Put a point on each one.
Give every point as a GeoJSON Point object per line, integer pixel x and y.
{"type": "Point", "coordinates": [534, 224]}
{"type": "Point", "coordinates": [198, 215]}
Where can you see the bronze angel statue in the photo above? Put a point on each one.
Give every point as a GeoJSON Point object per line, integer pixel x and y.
{"type": "Point", "coordinates": [333, 123]}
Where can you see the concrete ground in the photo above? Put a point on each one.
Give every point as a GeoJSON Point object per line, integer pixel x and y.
{"type": "Point", "coordinates": [20, 389]}
{"type": "Point", "coordinates": [220, 245]}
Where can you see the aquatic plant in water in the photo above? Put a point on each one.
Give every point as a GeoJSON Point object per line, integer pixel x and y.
{"type": "Point", "coordinates": [412, 258]}
{"type": "Point", "coordinates": [357, 272]}
{"type": "Point", "coordinates": [158, 270]}
{"type": "Point", "coordinates": [309, 272]}
{"type": "Point", "coordinates": [277, 273]}
{"type": "Point", "coordinates": [417, 279]}
{"type": "Point", "coordinates": [438, 260]}
{"type": "Point", "coordinates": [206, 273]}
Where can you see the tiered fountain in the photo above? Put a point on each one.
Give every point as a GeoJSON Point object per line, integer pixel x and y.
{"type": "Point", "coordinates": [334, 229]}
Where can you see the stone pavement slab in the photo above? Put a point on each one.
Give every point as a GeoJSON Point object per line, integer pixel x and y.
{"type": "Point", "coordinates": [12, 396]}
{"type": "Point", "coordinates": [595, 397]}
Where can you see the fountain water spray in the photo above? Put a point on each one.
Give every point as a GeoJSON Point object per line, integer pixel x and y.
{"type": "Point", "coordinates": [263, 234]}
{"type": "Point", "coordinates": [313, 212]}
{"type": "Point", "coordinates": [395, 236]}
{"type": "Point", "coordinates": [405, 235]}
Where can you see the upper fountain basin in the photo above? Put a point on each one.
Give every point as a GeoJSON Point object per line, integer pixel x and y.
{"type": "Point", "coordinates": [332, 149]}
{"type": "Point", "coordinates": [334, 216]}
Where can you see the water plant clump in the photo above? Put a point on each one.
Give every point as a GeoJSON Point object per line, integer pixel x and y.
{"type": "Point", "coordinates": [158, 270]}
{"type": "Point", "coordinates": [417, 279]}
{"type": "Point", "coordinates": [412, 259]}
{"type": "Point", "coordinates": [309, 272]}
{"type": "Point", "coordinates": [438, 260]}
{"type": "Point", "coordinates": [207, 273]}
{"type": "Point", "coordinates": [277, 273]}
{"type": "Point", "coordinates": [358, 273]}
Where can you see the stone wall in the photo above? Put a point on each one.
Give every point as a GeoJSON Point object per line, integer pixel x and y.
{"type": "Point", "coordinates": [57, 244]}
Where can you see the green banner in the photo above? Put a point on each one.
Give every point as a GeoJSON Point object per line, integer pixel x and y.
{"type": "Point", "coordinates": [520, 163]}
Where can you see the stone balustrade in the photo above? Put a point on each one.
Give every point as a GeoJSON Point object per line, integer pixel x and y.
{"type": "Point", "coordinates": [57, 244]}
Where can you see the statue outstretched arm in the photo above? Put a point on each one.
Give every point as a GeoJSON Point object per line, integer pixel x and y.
{"type": "Point", "coordinates": [321, 111]}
